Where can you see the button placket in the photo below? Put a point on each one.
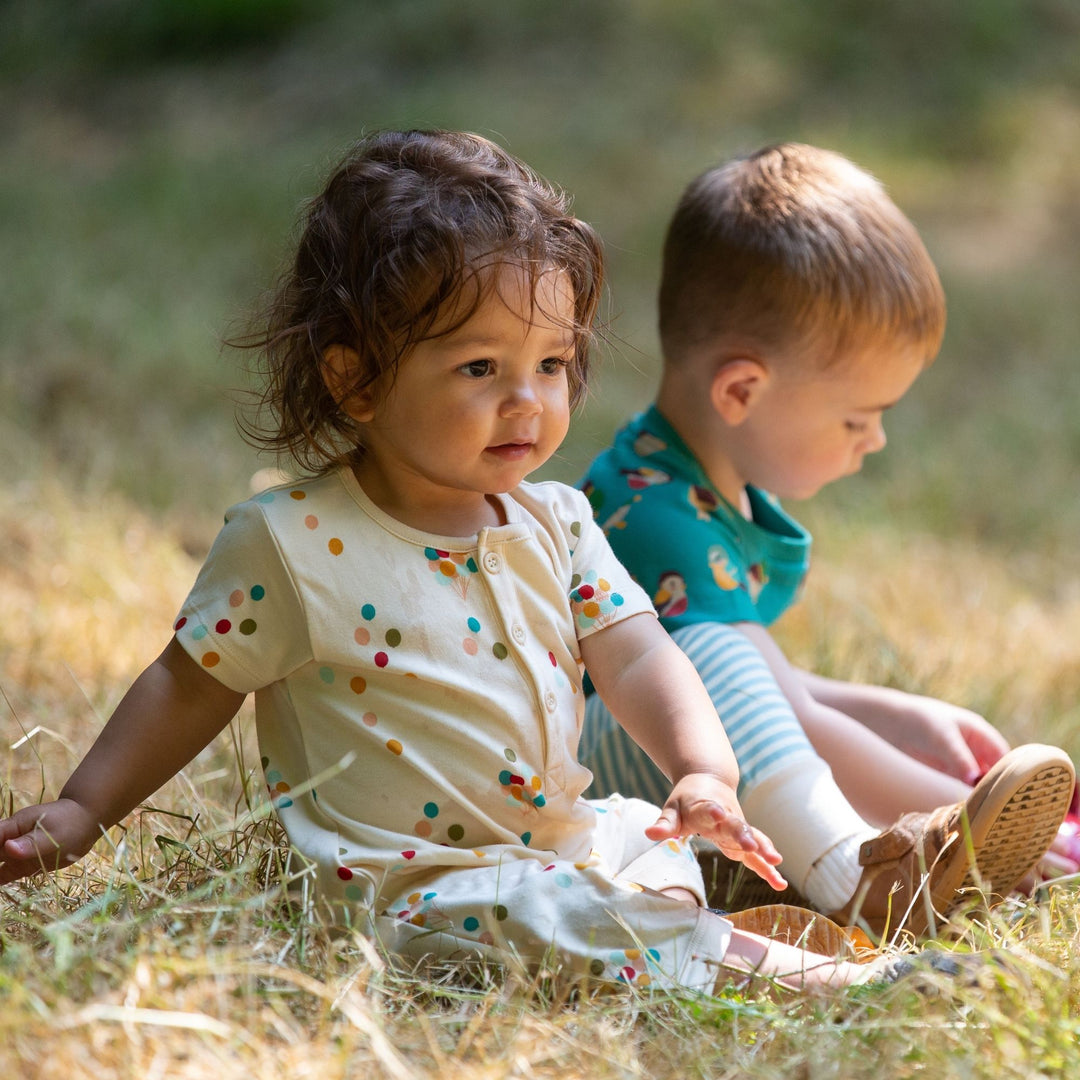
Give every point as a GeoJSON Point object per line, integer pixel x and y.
{"type": "Point", "coordinates": [536, 677]}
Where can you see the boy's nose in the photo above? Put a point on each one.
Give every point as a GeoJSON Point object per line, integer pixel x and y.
{"type": "Point", "coordinates": [876, 439]}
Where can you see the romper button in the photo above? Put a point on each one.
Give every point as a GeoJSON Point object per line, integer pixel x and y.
{"type": "Point", "coordinates": [518, 634]}
{"type": "Point", "coordinates": [549, 701]}
{"type": "Point", "coordinates": [492, 564]}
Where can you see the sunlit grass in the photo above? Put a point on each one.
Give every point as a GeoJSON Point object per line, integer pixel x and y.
{"type": "Point", "coordinates": [184, 945]}
{"type": "Point", "coordinates": [144, 204]}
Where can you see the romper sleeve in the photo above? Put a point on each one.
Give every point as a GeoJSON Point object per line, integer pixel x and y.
{"type": "Point", "coordinates": [243, 620]}
{"type": "Point", "coordinates": [601, 589]}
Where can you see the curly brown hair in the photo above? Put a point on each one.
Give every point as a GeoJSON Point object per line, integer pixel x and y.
{"type": "Point", "coordinates": [406, 220]}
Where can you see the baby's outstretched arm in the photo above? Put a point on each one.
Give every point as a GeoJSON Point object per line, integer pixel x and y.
{"type": "Point", "coordinates": [655, 693]}
{"type": "Point", "coordinates": [170, 713]}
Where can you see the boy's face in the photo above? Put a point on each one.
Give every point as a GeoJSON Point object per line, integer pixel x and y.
{"type": "Point", "coordinates": [810, 428]}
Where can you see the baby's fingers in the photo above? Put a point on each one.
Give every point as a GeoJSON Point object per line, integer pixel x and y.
{"type": "Point", "coordinates": [35, 838]}
{"type": "Point", "coordinates": [25, 836]}
{"type": "Point", "coordinates": [667, 826]}
{"type": "Point", "coordinates": [23, 855]}
{"type": "Point", "coordinates": [765, 869]}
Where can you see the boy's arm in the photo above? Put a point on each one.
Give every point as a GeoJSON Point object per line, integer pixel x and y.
{"type": "Point", "coordinates": [171, 712]}
{"type": "Point", "coordinates": [653, 690]}
{"type": "Point", "coordinates": [879, 779]}
{"type": "Point", "coordinates": [947, 737]}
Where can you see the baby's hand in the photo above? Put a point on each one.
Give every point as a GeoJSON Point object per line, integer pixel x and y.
{"type": "Point", "coordinates": [45, 837]}
{"type": "Point", "coordinates": [704, 805]}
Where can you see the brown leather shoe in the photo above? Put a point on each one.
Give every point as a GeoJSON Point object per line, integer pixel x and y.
{"type": "Point", "coordinates": [804, 928]}
{"type": "Point", "coordinates": [921, 869]}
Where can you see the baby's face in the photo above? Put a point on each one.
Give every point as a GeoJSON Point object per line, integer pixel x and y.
{"type": "Point", "coordinates": [472, 412]}
{"type": "Point", "coordinates": [813, 427]}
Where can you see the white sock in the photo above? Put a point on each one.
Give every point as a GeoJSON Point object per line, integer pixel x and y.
{"type": "Point", "coordinates": [833, 879]}
{"type": "Point", "coordinates": [808, 818]}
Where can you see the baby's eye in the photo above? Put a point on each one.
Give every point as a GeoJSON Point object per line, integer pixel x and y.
{"type": "Point", "coordinates": [477, 369]}
{"type": "Point", "coordinates": [856, 427]}
{"type": "Point", "coordinates": [554, 364]}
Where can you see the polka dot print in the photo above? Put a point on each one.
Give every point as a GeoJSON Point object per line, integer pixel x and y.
{"type": "Point", "coordinates": [277, 787]}
{"type": "Point", "coordinates": [453, 568]}
{"type": "Point", "coordinates": [633, 965]}
{"type": "Point", "coordinates": [520, 790]}
{"type": "Point", "coordinates": [426, 828]}
{"type": "Point", "coordinates": [593, 602]}
{"type": "Point", "coordinates": [363, 636]}
{"type": "Point", "coordinates": [470, 644]}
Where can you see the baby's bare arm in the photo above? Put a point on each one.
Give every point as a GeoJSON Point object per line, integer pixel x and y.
{"type": "Point", "coordinates": [170, 713]}
{"type": "Point", "coordinates": [653, 690]}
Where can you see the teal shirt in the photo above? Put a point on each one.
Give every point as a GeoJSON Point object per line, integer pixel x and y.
{"type": "Point", "coordinates": [695, 554]}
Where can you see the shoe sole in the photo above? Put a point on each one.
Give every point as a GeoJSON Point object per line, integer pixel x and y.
{"type": "Point", "coordinates": [1008, 832]}
{"type": "Point", "coordinates": [796, 926]}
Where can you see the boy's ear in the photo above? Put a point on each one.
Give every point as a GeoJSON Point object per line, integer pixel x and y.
{"type": "Point", "coordinates": [339, 369]}
{"type": "Point", "coordinates": [737, 385]}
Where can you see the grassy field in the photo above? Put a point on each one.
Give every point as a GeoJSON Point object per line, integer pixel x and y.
{"type": "Point", "coordinates": [150, 171]}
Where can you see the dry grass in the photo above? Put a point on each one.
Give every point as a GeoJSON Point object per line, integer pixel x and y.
{"type": "Point", "coordinates": [941, 617]}
{"type": "Point", "coordinates": [143, 206]}
{"type": "Point", "coordinates": [183, 947]}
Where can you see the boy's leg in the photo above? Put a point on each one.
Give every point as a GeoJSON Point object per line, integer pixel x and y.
{"type": "Point", "coordinates": [839, 862]}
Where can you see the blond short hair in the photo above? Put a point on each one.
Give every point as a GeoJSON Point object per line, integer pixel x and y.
{"type": "Point", "coordinates": [795, 244]}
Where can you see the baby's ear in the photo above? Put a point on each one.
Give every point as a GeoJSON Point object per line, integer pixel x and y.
{"type": "Point", "coordinates": [737, 385]}
{"type": "Point", "coordinates": [340, 367]}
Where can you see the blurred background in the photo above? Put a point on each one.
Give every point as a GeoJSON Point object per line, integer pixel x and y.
{"type": "Point", "coordinates": [154, 154]}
